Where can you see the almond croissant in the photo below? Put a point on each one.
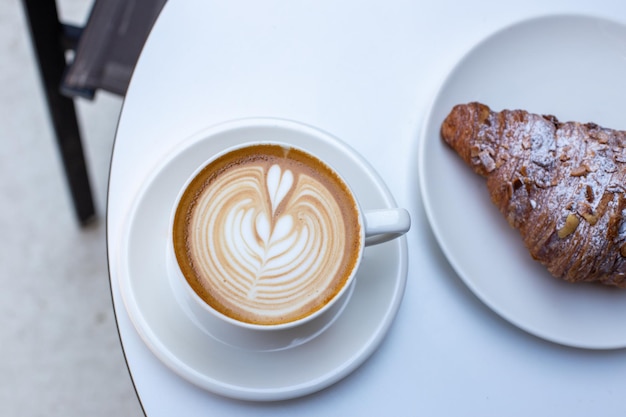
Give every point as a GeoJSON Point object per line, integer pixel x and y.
{"type": "Point", "coordinates": [562, 185]}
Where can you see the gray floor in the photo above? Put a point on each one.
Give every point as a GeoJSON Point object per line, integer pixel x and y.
{"type": "Point", "coordinates": [59, 350]}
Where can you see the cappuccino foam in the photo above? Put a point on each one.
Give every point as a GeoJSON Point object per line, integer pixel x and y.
{"type": "Point", "coordinates": [267, 234]}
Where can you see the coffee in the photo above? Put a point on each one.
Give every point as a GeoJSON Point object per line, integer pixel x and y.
{"type": "Point", "coordinates": [267, 234]}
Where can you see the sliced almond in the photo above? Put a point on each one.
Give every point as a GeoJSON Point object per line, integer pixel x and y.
{"type": "Point", "coordinates": [587, 213]}
{"type": "Point", "coordinates": [580, 171]}
{"type": "Point", "coordinates": [589, 193]}
{"type": "Point", "coordinates": [571, 223]}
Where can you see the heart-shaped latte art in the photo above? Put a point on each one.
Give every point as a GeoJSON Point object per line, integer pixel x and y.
{"type": "Point", "coordinates": [279, 183]}
{"type": "Point", "coordinates": [261, 238]}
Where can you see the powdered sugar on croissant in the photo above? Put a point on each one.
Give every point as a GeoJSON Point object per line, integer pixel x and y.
{"type": "Point", "coordinates": [562, 185]}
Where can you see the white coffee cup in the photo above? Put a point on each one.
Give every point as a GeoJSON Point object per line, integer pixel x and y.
{"type": "Point", "coordinates": [269, 137]}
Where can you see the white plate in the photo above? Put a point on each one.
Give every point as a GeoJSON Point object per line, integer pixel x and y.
{"type": "Point", "coordinates": [573, 67]}
{"type": "Point", "coordinates": [254, 375]}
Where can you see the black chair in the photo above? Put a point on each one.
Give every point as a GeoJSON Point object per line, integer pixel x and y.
{"type": "Point", "coordinates": [105, 51]}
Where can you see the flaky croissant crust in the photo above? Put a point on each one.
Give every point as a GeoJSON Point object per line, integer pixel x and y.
{"type": "Point", "coordinates": [562, 185]}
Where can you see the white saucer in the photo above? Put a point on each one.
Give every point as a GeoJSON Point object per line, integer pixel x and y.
{"type": "Point", "coordinates": [572, 67]}
{"type": "Point", "coordinates": [252, 375]}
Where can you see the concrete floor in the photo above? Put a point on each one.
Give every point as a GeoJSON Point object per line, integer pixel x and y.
{"type": "Point", "coordinates": [60, 353]}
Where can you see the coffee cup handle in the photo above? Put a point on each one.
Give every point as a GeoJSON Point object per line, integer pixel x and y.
{"type": "Point", "coordinates": [385, 224]}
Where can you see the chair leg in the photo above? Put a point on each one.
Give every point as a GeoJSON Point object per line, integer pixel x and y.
{"type": "Point", "coordinates": [46, 34]}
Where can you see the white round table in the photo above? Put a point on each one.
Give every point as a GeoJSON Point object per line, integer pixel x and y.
{"type": "Point", "coordinates": [367, 72]}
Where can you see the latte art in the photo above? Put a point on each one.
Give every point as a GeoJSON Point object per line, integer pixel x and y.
{"type": "Point", "coordinates": [268, 239]}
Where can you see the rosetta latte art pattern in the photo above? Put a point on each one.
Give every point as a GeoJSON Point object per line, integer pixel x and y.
{"type": "Point", "coordinates": [261, 237]}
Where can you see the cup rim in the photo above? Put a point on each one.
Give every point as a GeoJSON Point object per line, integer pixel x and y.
{"type": "Point", "coordinates": [265, 123]}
